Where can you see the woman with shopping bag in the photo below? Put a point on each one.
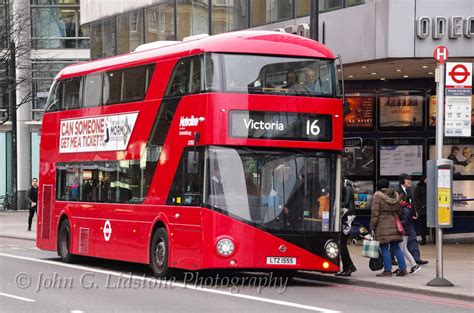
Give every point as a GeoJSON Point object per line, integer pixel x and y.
{"type": "Point", "coordinates": [386, 204]}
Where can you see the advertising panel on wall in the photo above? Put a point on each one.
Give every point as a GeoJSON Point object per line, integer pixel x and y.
{"type": "Point", "coordinates": [461, 154]}
{"type": "Point", "coordinates": [401, 109]}
{"type": "Point", "coordinates": [397, 159]}
{"type": "Point", "coordinates": [463, 189]}
{"type": "Point", "coordinates": [357, 159]}
{"type": "Point", "coordinates": [363, 194]}
{"type": "Point", "coordinates": [358, 165]}
{"type": "Point", "coordinates": [361, 114]}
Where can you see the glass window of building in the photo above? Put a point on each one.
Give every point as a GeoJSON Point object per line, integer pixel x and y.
{"type": "Point", "coordinates": [159, 22]}
{"type": "Point", "coordinates": [42, 76]}
{"type": "Point", "coordinates": [351, 3]}
{"type": "Point", "coordinates": [229, 15]}
{"type": "Point", "coordinates": [103, 38]}
{"type": "Point", "coordinates": [129, 31]}
{"type": "Point", "coordinates": [56, 24]}
{"type": "Point", "coordinates": [302, 7]}
{"type": "Point", "coordinates": [193, 18]}
{"type": "Point", "coordinates": [269, 11]}
{"type": "Point", "coordinates": [3, 92]}
{"type": "Point", "coordinates": [328, 5]}
{"type": "Point", "coordinates": [35, 145]}
{"type": "Point", "coordinates": [5, 162]}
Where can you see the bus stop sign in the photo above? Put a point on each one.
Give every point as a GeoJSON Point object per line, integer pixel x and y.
{"type": "Point", "coordinates": [440, 54]}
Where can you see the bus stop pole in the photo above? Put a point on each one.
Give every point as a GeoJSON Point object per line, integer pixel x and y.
{"type": "Point", "coordinates": [439, 156]}
{"type": "Point", "coordinates": [439, 280]}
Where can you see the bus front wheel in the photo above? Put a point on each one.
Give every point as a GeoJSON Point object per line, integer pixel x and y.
{"type": "Point", "coordinates": [159, 252]}
{"type": "Point", "coordinates": [64, 242]}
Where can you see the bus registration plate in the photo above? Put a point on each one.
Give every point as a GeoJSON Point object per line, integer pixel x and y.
{"type": "Point", "coordinates": [281, 260]}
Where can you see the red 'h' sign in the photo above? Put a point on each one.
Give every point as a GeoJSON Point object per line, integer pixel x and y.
{"type": "Point", "coordinates": [440, 54]}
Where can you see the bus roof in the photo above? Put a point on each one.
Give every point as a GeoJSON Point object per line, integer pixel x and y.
{"type": "Point", "coordinates": [245, 42]}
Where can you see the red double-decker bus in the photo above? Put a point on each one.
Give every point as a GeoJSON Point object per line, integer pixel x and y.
{"type": "Point", "coordinates": [217, 152]}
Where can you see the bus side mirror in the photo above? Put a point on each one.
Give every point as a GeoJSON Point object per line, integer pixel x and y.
{"type": "Point", "coordinates": [192, 166]}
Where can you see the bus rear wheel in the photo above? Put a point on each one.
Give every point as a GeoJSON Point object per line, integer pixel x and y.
{"type": "Point", "coordinates": [159, 252]}
{"type": "Point", "coordinates": [64, 242]}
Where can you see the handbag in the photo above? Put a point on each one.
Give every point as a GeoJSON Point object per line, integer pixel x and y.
{"type": "Point", "coordinates": [399, 224]}
{"type": "Point", "coordinates": [370, 249]}
{"type": "Point", "coordinates": [376, 264]}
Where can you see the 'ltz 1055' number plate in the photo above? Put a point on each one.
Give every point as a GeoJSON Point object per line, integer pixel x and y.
{"type": "Point", "coordinates": [281, 260]}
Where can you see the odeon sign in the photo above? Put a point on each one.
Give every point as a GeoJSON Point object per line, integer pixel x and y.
{"type": "Point", "coordinates": [438, 26]}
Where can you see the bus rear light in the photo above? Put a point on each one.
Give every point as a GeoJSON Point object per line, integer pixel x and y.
{"type": "Point", "coordinates": [325, 265]}
{"type": "Point", "coordinates": [225, 247]}
{"type": "Point", "coordinates": [332, 249]}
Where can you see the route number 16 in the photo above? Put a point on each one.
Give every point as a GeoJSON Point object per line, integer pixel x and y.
{"type": "Point", "coordinates": [312, 129]}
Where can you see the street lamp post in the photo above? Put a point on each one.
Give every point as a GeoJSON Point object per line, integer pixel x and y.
{"type": "Point", "coordinates": [12, 115]}
{"type": "Point", "coordinates": [314, 20]}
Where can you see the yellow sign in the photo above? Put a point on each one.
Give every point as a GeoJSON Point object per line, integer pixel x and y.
{"type": "Point", "coordinates": [444, 216]}
{"type": "Point", "coordinates": [444, 204]}
{"type": "Point", "coordinates": [444, 197]}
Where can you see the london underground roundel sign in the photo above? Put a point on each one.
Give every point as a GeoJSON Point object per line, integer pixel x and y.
{"type": "Point", "coordinates": [107, 230]}
{"type": "Point", "coordinates": [459, 75]}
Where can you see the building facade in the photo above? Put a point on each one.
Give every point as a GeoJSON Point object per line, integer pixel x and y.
{"type": "Point", "coordinates": [48, 36]}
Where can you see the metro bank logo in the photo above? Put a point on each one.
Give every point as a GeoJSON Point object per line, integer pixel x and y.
{"type": "Point", "coordinates": [96, 133]}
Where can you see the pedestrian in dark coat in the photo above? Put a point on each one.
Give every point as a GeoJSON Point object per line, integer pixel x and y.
{"type": "Point", "coordinates": [348, 215]}
{"type": "Point", "coordinates": [404, 187]}
{"type": "Point", "coordinates": [32, 199]}
{"type": "Point", "coordinates": [407, 195]}
{"type": "Point", "coordinates": [419, 200]}
{"type": "Point", "coordinates": [385, 205]}
{"type": "Point", "coordinates": [408, 218]}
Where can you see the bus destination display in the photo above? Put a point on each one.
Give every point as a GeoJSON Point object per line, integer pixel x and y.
{"type": "Point", "coordinates": [280, 125]}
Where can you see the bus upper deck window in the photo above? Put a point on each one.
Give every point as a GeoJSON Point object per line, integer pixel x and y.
{"type": "Point", "coordinates": [112, 89]}
{"type": "Point", "coordinates": [72, 93]}
{"type": "Point", "coordinates": [55, 97]}
{"type": "Point", "coordinates": [134, 83]}
{"type": "Point", "coordinates": [93, 90]}
{"type": "Point", "coordinates": [212, 72]}
{"type": "Point", "coordinates": [179, 79]}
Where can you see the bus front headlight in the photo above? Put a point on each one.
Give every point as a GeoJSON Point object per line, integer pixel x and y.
{"type": "Point", "coordinates": [225, 247]}
{"type": "Point", "coordinates": [332, 249]}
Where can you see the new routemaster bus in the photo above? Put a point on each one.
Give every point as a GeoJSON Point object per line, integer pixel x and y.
{"type": "Point", "coordinates": [212, 153]}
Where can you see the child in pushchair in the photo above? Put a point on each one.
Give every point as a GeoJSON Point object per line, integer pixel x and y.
{"type": "Point", "coordinates": [358, 232]}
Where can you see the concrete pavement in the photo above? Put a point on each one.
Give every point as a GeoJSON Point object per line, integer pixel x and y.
{"type": "Point", "coordinates": [458, 264]}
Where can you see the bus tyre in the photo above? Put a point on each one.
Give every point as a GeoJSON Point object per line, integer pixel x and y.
{"type": "Point", "coordinates": [159, 252]}
{"type": "Point", "coordinates": [64, 242]}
